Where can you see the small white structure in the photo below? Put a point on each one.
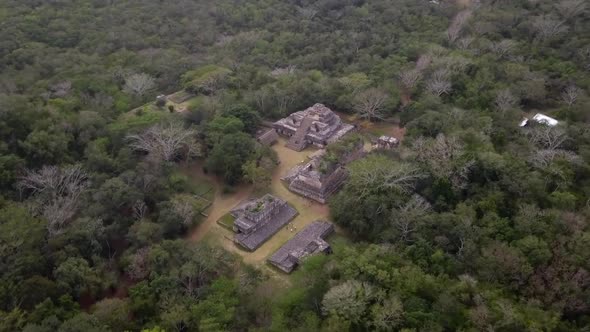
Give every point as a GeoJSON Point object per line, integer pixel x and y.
{"type": "Point", "coordinates": [542, 119]}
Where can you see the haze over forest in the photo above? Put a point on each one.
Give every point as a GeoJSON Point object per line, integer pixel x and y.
{"type": "Point", "coordinates": [155, 176]}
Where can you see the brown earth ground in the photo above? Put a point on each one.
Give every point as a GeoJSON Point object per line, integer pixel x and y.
{"type": "Point", "coordinates": [308, 210]}
{"type": "Point", "coordinates": [464, 3]}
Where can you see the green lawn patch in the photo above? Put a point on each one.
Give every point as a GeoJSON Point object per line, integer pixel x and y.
{"type": "Point", "coordinates": [180, 96]}
{"type": "Point", "coordinates": [227, 221]}
{"type": "Point", "coordinates": [201, 204]}
{"type": "Point", "coordinates": [138, 118]}
{"type": "Point", "coordinates": [202, 188]}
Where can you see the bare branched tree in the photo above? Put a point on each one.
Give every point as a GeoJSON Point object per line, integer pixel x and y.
{"type": "Point", "coordinates": [369, 104]}
{"type": "Point", "coordinates": [544, 157]}
{"type": "Point", "coordinates": [457, 25]}
{"type": "Point", "coordinates": [56, 193]}
{"type": "Point", "coordinates": [452, 63]}
{"type": "Point", "coordinates": [213, 82]}
{"type": "Point", "coordinates": [439, 83]}
{"type": "Point", "coordinates": [423, 62]}
{"type": "Point", "coordinates": [376, 174]}
{"type": "Point", "coordinates": [139, 267]}
{"type": "Point", "coordinates": [465, 43]}
{"type": "Point", "coordinates": [140, 210]}
{"type": "Point", "coordinates": [547, 27]}
{"type": "Point", "coordinates": [444, 158]}
{"type": "Point", "coordinates": [405, 218]}
{"type": "Point", "coordinates": [138, 84]}
{"type": "Point", "coordinates": [281, 71]}
{"type": "Point", "coordinates": [548, 145]}
{"type": "Point", "coordinates": [505, 100]}
{"type": "Point", "coordinates": [61, 89]}
{"type": "Point", "coordinates": [165, 142]}
{"type": "Point", "coordinates": [410, 78]}
{"type": "Point", "coordinates": [503, 48]}
{"type": "Point", "coordinates": [569, 9]}
{"type": "Point", "coordinates": [283, 100]}
{"type": "Point", "coordinates": [570, 95]}
{"type": "Point", "coordinates": [262, 98]}
{"type": "Point", "coordinates": [184, 208]}
{"type": "Point", "coordinates": [307, 12]}
{"type": "Point", "coordinates": [546, 137]}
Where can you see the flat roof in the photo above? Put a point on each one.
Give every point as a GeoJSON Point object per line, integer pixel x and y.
{"type": "Point", "coordinates": [310, 240]}
{"type": "Point", "coordinates": [544, 119]}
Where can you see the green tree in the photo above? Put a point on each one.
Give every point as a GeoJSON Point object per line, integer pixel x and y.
{"type": "Point", "coordinates": [249, 117]}
{"type": "Point", "coordinates": [77, 277]}
{"type": "Point", "coordinates": [229, 156]}
{"type": "Point", "coordinates": [221, 126]}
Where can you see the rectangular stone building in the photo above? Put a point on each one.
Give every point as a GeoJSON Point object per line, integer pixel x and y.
{"type": "Point", "coordinates": [258, 219]}
{"type": "Point", "coordinates": [310, 241]}
{"type": "Point", "coordinates": [325, 173]}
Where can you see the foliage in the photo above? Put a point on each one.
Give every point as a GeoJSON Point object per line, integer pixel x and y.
{"type": "Point", "coordinates": [475, 224]}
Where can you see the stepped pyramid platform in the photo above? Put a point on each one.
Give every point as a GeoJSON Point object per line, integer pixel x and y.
{"type": "Point", "coordinates": [317, 125]}
{"type": "Point", "coordinates": [257, 220]}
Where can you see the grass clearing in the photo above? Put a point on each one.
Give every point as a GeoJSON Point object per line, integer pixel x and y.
{"type": "Point", "coordinates": [227, 221]}
{"type": "Point", "coordinates": [138, 118]}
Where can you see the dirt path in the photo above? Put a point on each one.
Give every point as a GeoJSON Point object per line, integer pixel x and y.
{"type": "Point", "coordinates": [308, 211]}
{"type": "Point", "coordinates": [222, 203]}
{"type": "Point", "coordinates": [464, 3]}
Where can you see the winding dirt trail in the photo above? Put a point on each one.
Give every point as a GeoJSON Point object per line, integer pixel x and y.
{"type": "Point", "coordinates": [208, 230]}
{"type": "Point", "coordinates": [221, 204]}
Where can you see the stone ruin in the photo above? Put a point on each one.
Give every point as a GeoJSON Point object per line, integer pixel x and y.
{"type": "Point", "coordinates": [257, 220]}
{"type": "Point", "coordinates": [317, 125]}
{"type": "Point", "coordinates": [319, 178]}
{"type": "Point", "coordinates": [161, 100]}
{"type": "Point", "coordinates": [267, 137]}
{"type": "Point", "coordinates": [310, 241]}
{"type": "Point", "coordinates": [386, 143]}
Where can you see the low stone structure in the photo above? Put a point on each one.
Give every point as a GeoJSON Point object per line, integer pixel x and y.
{"type": "Point", "coordinates": [161, 100]}
{"type": "Point", "coordinates": [310, 241]}
{"type": "Point", "coordinates": [267, 137]}
{"type": "Point", "coordinates": [309, 181]}
{"type": "Point", "coordinates": [317, 125]}
{"type": "Point", "coordinates": [386, 143]}
{"type": "Point", "coordinates": [257, 220]}
{"type": "Point", "coordinates": [324, 173]}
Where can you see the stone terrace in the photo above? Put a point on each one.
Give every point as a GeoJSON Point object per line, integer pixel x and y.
{"type": "Point", "coordinates": [316, 125]}
{"type": "Point", "coordinates": [259, 219]}
{"type": "Point", "coordinates": [308, 242]}
{"type": "Point", "coordinates": [318, 179]}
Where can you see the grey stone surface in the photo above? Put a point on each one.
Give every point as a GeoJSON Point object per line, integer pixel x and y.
{"type": "Point", "coordinates": [309, 241]}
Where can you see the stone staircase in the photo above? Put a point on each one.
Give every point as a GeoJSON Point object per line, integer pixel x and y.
{"type": "Point", "coordinates": [297, 141]}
